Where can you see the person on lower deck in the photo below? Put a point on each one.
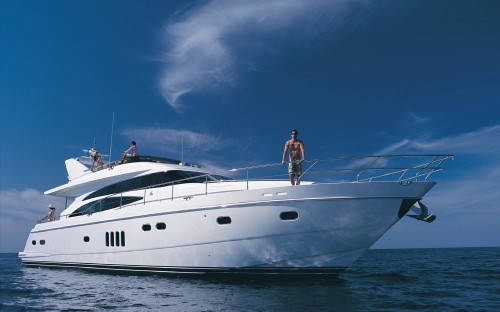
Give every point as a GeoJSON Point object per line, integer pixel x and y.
{"type": "Point", "coordinates": [51, 215]}
{"type": "Point", "coordinates": [297, 156]}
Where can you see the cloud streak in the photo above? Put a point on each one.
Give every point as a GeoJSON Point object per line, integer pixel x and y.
{"type": "Point", "coordinates": [468, 199]}
{"type": "Point", "coordinates": [478, 142]}
{"type": "Point", "coordinates": [172, 140]}
{"type": "Point", "coordinates": [206, 46]}
{"type": "Point", "coordinates": [19, 212]}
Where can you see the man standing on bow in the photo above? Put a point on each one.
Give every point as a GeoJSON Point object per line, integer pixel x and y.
{"type": "Point", "coordinates": [297, 157]}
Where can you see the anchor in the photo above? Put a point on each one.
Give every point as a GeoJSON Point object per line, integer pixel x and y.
{"type": "Point", "coordinates": [423, 213]}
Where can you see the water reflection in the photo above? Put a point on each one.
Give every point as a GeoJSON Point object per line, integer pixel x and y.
{"type": "Point", "coordinates": [66, 289]}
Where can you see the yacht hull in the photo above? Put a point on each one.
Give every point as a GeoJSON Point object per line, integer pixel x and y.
{"type": "Point", "coordinates": [316, 229]}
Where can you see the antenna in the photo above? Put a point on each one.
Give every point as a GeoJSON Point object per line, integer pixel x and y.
{"type": "Point", "coordinates": [182, 148]}
{"type": "Point", "coordinates": [111, 145]}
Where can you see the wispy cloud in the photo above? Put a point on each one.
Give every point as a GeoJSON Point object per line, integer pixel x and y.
{"type": "Point", "coordinates": [28, 203]}
{"type": "Point", "coordinates": [207, 45]}
{"type": "Point", "coordinates": [470, 198]}
{"type": "Point", "coordinates": [475, 189]}
{"type": "Point", "coordinates": [19, 212]}
{"type": "Point", "coordinates": [418, 119]}
{"type": "Point", "coordinates": [172, 140]}
{"type": "Point", "coordinates": [479, 142]}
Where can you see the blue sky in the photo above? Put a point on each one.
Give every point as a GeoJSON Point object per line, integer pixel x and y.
{"type": "Point", "coordinates": [232, 78]}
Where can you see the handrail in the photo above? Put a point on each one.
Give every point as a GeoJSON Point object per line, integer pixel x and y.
{"type": "Point", "coordinates": [357, 165]}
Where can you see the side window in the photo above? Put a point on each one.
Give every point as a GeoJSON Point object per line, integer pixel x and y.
{"type": "Point", "coordinates": [105, 204]}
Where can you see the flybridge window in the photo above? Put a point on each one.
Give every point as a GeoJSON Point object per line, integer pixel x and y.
{"type": "Point", "coordinates": [155, 179]}
{"type": "Point", "coordinates": [105, 204]}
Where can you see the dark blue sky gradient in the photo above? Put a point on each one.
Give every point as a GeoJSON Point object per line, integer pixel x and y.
{"type": "Point", "coordinates": [355, 77]}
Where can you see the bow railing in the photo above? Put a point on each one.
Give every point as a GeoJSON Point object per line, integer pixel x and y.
{"type": "Point", "coordinates": [398, 168]}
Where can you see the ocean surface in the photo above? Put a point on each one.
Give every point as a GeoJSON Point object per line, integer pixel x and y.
{"type": "Point", "coordinates": [455, 279]}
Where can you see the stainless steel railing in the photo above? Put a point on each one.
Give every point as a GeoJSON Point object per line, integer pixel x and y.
{"type": "Point", "coordinates": [397, 168]}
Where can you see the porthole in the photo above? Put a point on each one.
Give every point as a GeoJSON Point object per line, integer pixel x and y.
{"type": "Point", "coordinates": [224, 220]}
{"type": "Point", "coordinates": [289, 215]}
{"type": "Point", "coordinates": [86, 239]}
{"type": "Point", "coordinates": [161, 226]}
{"type": "Point", "coordinates": [107, 239]}
{"type": "Point", "coordinates": [42, 242]}
{"type": "Point", "coordinates": [122, 238]}
{"type": "Point", "coordinates": [33, 242]}
{"type": "Point", "coordinates": [146, 227]}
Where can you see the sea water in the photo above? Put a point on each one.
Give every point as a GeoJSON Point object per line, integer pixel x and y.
{"type": "Point", "coordinates": [455, 279]}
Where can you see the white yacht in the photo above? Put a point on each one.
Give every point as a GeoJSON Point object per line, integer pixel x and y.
{"type": "Point", "coordinates": [156, 214]}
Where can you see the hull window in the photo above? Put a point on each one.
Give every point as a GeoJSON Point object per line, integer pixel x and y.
{"type": "Point", "coordinates": [289, 215]}
{"type": "Point", "coordinates": [224, 220]}
{"type": "Point", "coordinates": [161, 226]}
{"type": "Point", "coordinates": [146, 227]}
{"type": "Point", "coordinates": [155, 180]}
{"type": "Point", "coordinates": [33, 242]}
{"type": "Point", "coordinates": [42, 242]}
{"type": "Point", "coordinates": [86, 239]}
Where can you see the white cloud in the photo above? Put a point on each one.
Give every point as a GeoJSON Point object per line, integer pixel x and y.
{"type": "Point", "coordinates": [26, 204]}
{"type": "Point", "coordinates": [207, 45]}
{"type": "Point", "coordinates": [418, 119]}
{"type": "Point", "coordinates": [467, 205]}
{"type": "Point", "coordinates": [172, 140]}
{"type": "Point", "coordinates": [480, 142]}
{"type": "Point", "coordinates": [19, 212]}
{"type": "Point", "coordinates": [476, 156]}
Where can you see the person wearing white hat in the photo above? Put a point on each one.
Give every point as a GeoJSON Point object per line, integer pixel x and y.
{"type": "Point", "coordinates": [51, 215]}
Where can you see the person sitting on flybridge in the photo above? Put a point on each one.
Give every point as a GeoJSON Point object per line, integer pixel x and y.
{"type": "Point", "coordinates": [131, 152]}
{"type": "Point", "coordinates": [96, 158]}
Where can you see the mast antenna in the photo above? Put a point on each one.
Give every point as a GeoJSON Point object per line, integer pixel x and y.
{"type": "Point", "coordinates": [182, 149]}
{"type": "Point", "coordinates": [111, 145]}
